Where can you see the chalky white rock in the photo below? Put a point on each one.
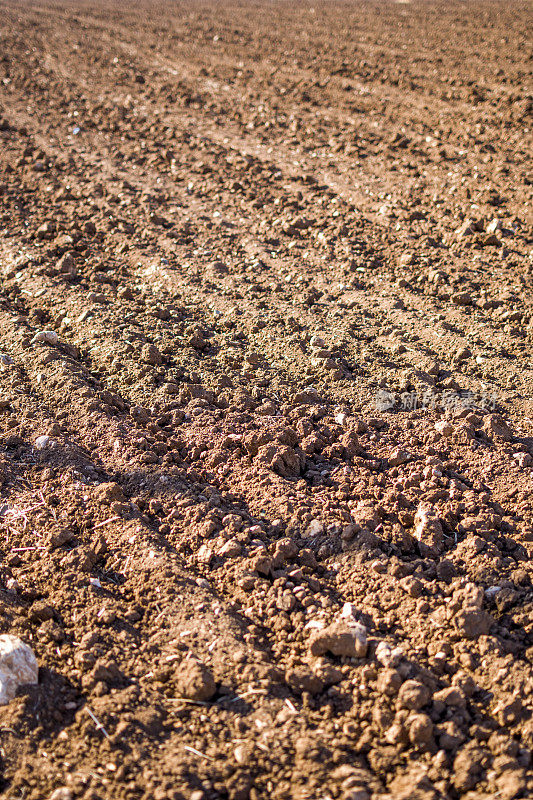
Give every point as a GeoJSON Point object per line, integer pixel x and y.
{"type": "Point", "coordinates": [18, 666]}
{"type": "Point", "coordinates": [42, 441]}
{"type": "Point", "coordinates": [47, 337]}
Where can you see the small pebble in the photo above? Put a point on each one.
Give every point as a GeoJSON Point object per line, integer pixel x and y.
{"type": "Point", "coordinates": [47, 337]}
{"type": "Point", "coordinates": [340, 639]}
{"type": "Point", "coordinates": [315, 528]}
{"type": "Point", "coordinates": [63, 793]}
{"type": "Point", "coordinates": [18, 666]}
{"type": "Point", "coordinates": [388, 656]}
{"type": "Point", "coordinates": [42, 441]}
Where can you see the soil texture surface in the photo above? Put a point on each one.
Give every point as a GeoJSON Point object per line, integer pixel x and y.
{"type": "Point", "coordinates": [266, 416]}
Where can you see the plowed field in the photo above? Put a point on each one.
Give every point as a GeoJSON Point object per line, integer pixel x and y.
{"type": "Point", "coordinates": [266, 381]}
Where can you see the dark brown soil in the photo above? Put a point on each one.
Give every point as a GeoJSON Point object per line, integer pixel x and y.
{"type": "Point", "coordinates": [266, 443]}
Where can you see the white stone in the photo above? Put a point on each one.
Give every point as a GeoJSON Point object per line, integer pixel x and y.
{"type": "Point", "coordinates": [18, 666]}
{"type": "Point", "coordinates": [63, 793]}
{"type": "Point", "coordinates": [42, 441]}
{"type": "Point", "coordinates": [241, 754]}
{"type": "Point", "coordinates": [443, 427]}
{"type": "Point", "coordinates": [315, 625]}
{"type": "Point", "coordinates": [523, 459]}
{"type": "Point", "coordinates": [204, 554]}
{"type": "Point", "coordinates": [494, 225]}
{"type": "Point", "coordinates": [48, 337]}
{"type": "Point", "coordinates": [388, 656]}
{"type": "Point", "coordinates": [428, 530]}
{"type": "Point", "coordinates": [315, 528]}
{"type": "Point", "coordinates": [349, 611]}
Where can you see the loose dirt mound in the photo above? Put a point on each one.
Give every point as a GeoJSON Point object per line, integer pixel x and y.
{"type": "Point", "coordinates": [265, 361]}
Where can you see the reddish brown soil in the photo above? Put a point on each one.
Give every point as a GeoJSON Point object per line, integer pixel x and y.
{"type": "Point", "coordinates": [243, 222]}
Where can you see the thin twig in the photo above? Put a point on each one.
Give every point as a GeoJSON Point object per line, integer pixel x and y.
{"type": "Point", "coordinates": [253, 691]}
{"type": "Point", "coordinates": [111, 519]}
{"type": "Point", "coordinates": [291, 706]}
{"type": "Point", "coordinates": [186, 700]}
{"type": "Point", "coordinates": [244, 695]}
{"type": "Point", "coordinates": [197, 752]}
{"type": "Point", "coordinates": [98, 724]}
